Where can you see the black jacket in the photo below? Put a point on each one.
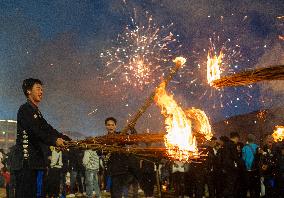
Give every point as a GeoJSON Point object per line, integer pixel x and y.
{"type": "Point", "coordinates": [229, 159]}
{"type": "Point", "coordinates": [33, 134]}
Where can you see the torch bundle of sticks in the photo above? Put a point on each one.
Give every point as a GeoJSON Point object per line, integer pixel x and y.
{"type": "Point", "coordinates": [127, 144]}
{"type": "Point", "coordinates": [251, 76]}
{"type": "Point", "coordinates": [103, 143]}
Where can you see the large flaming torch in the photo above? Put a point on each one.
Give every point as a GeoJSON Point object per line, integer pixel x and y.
{"type": "Point", "coordinates": [251, 76]}
{"type": "Point", "coordinates": [179, 62]}
{"type": "Point", "coordinates": [180, 142]}
{"type": "Point", "coordinates": [213, 66]}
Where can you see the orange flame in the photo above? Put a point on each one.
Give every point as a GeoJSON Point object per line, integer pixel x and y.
{"type": "Point", "coordinates": [180, 142]}
{"type": "Point", "coordinates": [278, 134]}
{"type": "Point", "coordinates": [201, 121]}
{"type": "Point", "coordinates": [213, 66]}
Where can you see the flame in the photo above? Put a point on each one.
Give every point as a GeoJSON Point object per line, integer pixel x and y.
{"type": "Point", "coordinates": [278, 134]}
{"type": "Point", "coordinates": [281, 37]}
{"type": "Point", "coordinates": [179, 140]}
{"type": "Point", "coordinates": [213, 66]}
{"type": "Point", "coordinates": [201, 121]}
{"type": "Point", "coordinates": [180, 61]}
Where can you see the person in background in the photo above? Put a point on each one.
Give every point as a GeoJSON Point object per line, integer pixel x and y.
{"type": "Point", "coordinates": [279, 176]}
{"type": "Point", "coordinates": [148, 178]}
{"type": "Point", "coordinates": [91, 162]}
{"type": "Point", "coordinates": [10, 164]}
{"type": "Point", "coordinates": [213, 168]}
{"type": "Point", "coordinates": [250, 155]}
{"type": "Point", "coordinates": [267, 166]}
{"type": "Point", "coordinates": [117, 164]}
{"type": "Point", "coordinates": [178, 175]}
{"type": "Point", "coordinates": [54, 172]}
{"type": "Point", "coordinates": [241, 187]}
{"type": "Point", "coordinates": [229, 164]}
{"type": "Point", "coordinates": [76, 172]}
{"type": "Point", "coordinates": [7, 177]}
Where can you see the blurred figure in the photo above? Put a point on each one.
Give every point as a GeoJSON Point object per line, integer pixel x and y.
{"type": "Point", "coordinates": [268, 166]}
{"type": "Point", "coordinates": [6, 174]}
{"type": "Point", "coordinates": [213, 168]}
{"type": "Point", "coordinates": [91, 161]}
{"type": "Point", "coordinates": [10, 166]}
{"type": "Point", "coordinates": [229, 162]}
{"type": "Point", "coordinates": [251, 157]}
{"type": "Point", "coordinates": [148, 178]}
{"type": "Point", "coordinates": [178, 175]}
{"type": "Point", "coordinates": [241, 185]}
{"type": "Point", "coordinates": [54, 173]}
{"type": "Point", "coordinates": [280, 172]}
{"type": "Point", "coordinates": [76, 172]}
{"type": "Point", "coordinates": [117, 164]}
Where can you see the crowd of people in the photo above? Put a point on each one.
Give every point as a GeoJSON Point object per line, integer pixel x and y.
{"type": "Point", "coordinates": [233, 169]}
{"type": "Point", "coordinates": [39, 165]}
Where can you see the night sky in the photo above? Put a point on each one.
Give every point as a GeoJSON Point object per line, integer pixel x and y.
{"type": "Point", "coordinates": [61, 42]}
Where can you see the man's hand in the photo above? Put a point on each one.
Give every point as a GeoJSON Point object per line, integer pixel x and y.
{"type": "Point", "coordinates": [60, 142]}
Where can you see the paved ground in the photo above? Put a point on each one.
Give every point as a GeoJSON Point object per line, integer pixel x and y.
{"type": "Point", "coordinates": [2, 193]}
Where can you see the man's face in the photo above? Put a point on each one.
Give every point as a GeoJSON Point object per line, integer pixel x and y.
{"type": "Point", "coordinates": [35, 94]}
{"type": "Point", "coordinates": [110, 126]}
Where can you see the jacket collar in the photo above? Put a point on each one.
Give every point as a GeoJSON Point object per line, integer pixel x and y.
{"type": "Point", "coordinates": [32, 105]}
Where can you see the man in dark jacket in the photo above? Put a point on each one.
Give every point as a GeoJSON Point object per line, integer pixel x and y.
{"type": "Point", "coordinates": [230, 162]}
{"type": "Point", "coordinates": [32, 131]}
{"type": "Point", "coordinates": [117, 164]}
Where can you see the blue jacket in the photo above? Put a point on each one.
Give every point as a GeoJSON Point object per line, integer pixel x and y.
{"type": "Point", "coordinates": [248, 154]}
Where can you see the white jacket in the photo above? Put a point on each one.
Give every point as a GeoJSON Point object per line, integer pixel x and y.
{"type": "Point", "coordinates": [56, 159]}
{"type": "Point", "coordinates": [91, 160]}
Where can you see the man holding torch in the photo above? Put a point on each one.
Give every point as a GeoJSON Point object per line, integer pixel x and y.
{"type": "Point", "coordinates": [33, 132]}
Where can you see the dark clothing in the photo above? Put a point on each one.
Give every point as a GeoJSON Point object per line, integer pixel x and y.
{"type": "Point", "coordinates": [230, 164]}
{"type": "Point", "coordinates": [53, 187]}
{"type": "Point", "coordinates": [148, 178]}
{"type": "Point", "coordinates": [213, 173]}
{"type": "Point", "coordinates": [267, 171]}
{"type": "Point", "coordinates": [230, 160]}
{"type": "Point", "coordinates": [119, 182]}
{"type": "Point", "coordinates": [34, 134]}
{"type": "Point", "coordinates": [75, 157]}
{"type": "Point", "coordinates": [279, 178]}
{"type": "Point", "coordinates": [195, 179]}
{"type": "Point", "coordinates": [26, 183]}
{"type": "Point", "coordinates": [117, 164]}
{"type": "Point", "coordinates": [252, 183]}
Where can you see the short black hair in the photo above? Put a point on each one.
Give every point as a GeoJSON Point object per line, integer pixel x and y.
{"type": "Point", "coordinates": [110, 118]}
{"type": "Point", "coordinates": [224, 139]}
{"type": "Point", "coordinates": [234, 135]}
{"type": "Point", "coordinates": [251, 138]}
{"type": "Point", "coordinates": [28, 85]}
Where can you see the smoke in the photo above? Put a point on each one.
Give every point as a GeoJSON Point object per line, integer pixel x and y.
{"type": "Point", "coordinates": [272, 91]}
